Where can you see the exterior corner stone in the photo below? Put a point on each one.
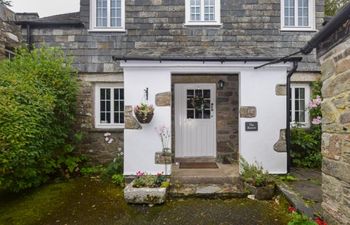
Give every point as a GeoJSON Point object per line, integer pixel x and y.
{"type": "Point", "coordinates": [163, 99]}
{"type": "Point", "coordinates": [130, 120]}
{"type": "Point", "coordinates": [281, 144]}
{"type": "Point", "coordinates": [247, 112]}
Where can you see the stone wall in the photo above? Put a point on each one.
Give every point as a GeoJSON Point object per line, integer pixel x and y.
{"type": "Point", "coordinates": [156, 27]}
{"type": "Point", "coordinates": [94, 144]}
{"type": "Point", "coordinates": [336, 133]}
{"type": "Point", "coordinates": [227, 111]}
{"type": "Point", "coordinates": [10, 34]}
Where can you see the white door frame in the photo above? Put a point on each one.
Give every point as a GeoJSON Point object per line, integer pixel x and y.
{"type": "Point", "coordinates": [194, 137]}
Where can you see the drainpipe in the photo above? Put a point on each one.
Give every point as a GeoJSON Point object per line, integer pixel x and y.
{"type": "Point", "coordinates": [288, 130]}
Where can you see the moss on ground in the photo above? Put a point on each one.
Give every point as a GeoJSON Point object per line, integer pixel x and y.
{"type": "Point", "coordinates": [90, 202]}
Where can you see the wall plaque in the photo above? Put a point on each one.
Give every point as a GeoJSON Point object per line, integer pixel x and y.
{"type": "Point", "coordinates": [251, 126]}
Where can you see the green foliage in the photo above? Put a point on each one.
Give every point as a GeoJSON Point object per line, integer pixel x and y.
{"type": "Point", "coordinates": [92, 170]}
{"type": "Point", "coordinates": [254, 174]}
{"type": "Point", "coordinates": [299, 219]}
{"type": "Point", "coordinates": [37, 111]}
{"type": "Point", "coordinates": [115, 167]}
{"type": "Point", "coordinates": [306, 143]}
{"type": "Point", "coordinates": [287, 178]}
{"type": "Point", "coordinates": [118, 179]}
{"type": "Point", "coordinates": [145, 180]}
{"type": "Point", "coordinates": [332, 6]}
{"type": "Point", "coordinates": [165, 184]}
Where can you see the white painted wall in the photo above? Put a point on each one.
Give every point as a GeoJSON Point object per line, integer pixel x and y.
{"type": "Point", "coordinates": [257, 88]}
{"type": "Point", "coordinates": [140, 146]}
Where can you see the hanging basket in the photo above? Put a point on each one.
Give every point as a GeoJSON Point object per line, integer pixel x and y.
{"type": "Point", "coordinates": [144, 113]}
{"type": "Point", "coordinates": [144, 118]}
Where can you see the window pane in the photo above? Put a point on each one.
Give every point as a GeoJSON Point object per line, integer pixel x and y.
{"type": "Point", "coordinates": [116, 13]}
{"type": "Point", "coordinates": [118, 105]}
{"type": "Point", "coordinates": [101, 13]}
{"type": "Point", "coordinates": [195, 10]}
{"type": "Point", "coordinates": [105, 105]}
{"type": "Point", "coordinates": [209, 10]}
{"type": "Point", "coordinates": [190, 114]}
{"type": "Point", "coordinates": [303, 13]}
{"type": "Point", "coordinates": [289, 12]}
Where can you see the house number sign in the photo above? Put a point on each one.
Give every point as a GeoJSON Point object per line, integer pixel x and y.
{"type": "Point", "coordinates": [251, 126]}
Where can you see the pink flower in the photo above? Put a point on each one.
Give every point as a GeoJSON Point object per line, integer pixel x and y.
{"type": "Point", "coordinates": [140, 174]}
{"type": "Point", "coordinates": [314, 103]}
{"type": "Point", "coordinates": [291, 209]}
{"type": "Point", "coordinates": [317, 120]}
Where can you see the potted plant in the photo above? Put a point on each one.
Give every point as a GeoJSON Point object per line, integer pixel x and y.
{"type": "Point", "coordinates": [258, 181]}
{"type": "Point", "coordinates": [147, 189]}
{"type": "Point", "coordinates": [144, 113]}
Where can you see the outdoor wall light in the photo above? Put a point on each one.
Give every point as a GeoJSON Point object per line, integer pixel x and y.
{"type": "Point", "coordinates": [221, 84]}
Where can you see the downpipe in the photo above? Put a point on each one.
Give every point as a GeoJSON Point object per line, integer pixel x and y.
{"type": "Point", "coordinates": [288, 120]}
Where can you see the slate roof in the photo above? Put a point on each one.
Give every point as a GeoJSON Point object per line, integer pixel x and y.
{"type": "Point", "coordinates": [62, 18]}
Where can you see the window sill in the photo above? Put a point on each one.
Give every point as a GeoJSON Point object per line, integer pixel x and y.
{"type": "Point", "coordinates": [298, 29]}
{"type": "Point", "coordinates": [202, 24]}
{"type": "Point", "coordinates": [107, 30]}
{"type": "Point", "coordinates": [106, 130]}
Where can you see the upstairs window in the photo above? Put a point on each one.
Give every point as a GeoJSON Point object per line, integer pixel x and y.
{"type": "Point", "coordinates": [298, 14]}
{"type": "Point", "coordinates": [107, 15]}
{"type": "Point", "coordinates": [203, 12]}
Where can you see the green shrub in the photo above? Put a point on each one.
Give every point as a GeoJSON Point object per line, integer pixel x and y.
{"type": "Point", "coordinates": [118, 179]}
{"type": "Point", "coordinates": [93, 170]}
{"type": "Point", "coordinates": [299, 219]}
{"type": "Point", "coordinates": [254, 174]}
{"type": "Point", "coordinates": [37, 108]}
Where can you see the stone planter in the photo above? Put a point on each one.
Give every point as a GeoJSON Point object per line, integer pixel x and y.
{"type": "Point", "coordinates": [262, 193]}
{"type": "Point", "coordinates": [151, 196]}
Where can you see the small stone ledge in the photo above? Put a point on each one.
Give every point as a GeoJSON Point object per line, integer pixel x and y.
{"type": "Point", "coordinates": [163, 99]}
{"type": "Point", "coordinates": [281, 144]}
{"type": "Point", "coordinates": [281, 90]}
{"type": "Point", "coordinates": [247, 112]}
{"type": "Point", "coordinates": [130, 120]}
{"type": "Point", "coordinates": [163, 158]}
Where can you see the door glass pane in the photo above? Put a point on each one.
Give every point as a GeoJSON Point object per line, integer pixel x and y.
{"type": "Point", "coordinates": [190, 114]}
{"type": "Point", "coordinates": [198, 104]}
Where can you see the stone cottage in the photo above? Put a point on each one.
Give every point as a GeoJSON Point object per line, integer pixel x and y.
{"type": "Point", "coordinates": [194, 61]}
{"type": "Point", "coordinates": [333, 44]}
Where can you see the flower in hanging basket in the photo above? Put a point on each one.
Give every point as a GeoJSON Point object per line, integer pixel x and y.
{"type": "Point", "coordinates": [144, 113]}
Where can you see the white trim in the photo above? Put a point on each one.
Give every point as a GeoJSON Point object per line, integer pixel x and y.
{"type": "Point", "coordinates": [202, 22]}
{"type": "Point", "coordinates": [307, 100]}
{"type": "Point", "coordinates": [312, 18]}
{"type": "Point", "coordinates": [97, 103]}
{"type": "Point", "coordinates": [94, 28]}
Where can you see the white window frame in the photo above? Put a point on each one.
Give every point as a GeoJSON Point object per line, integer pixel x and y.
{"type": "Point", "coordinates": [108, 28]}
{"type": "Point", "coordinates": [296, 27]}
{"type": "Point", "coordinates": [202, 22]}
{"type": "Point", "coordinates": [97, 104]}
{"type": "Point", "coordinates": [307, 88]}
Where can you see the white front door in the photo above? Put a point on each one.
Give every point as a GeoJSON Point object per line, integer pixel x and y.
{"type": "Point", "coordinates": [195, 120]}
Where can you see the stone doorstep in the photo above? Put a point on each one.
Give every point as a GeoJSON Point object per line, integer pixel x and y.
{"type": "Point", "coordinates": [207, 191]}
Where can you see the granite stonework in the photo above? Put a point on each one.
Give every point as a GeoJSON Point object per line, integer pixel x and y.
{"type": "Point", "coordinates": [247, 111]}
{"type": "Point", "coordinates": [281, 144]}
{"type": "Point", "coordinates": [335, 61]}
{"type": "Point", "coordinates": [163, 99]}
{"type": "Point", "coordinates": [10, 33]}
{"type": "Point", "coordinates": [227, 111]}
{"type": "Point", "coordinates": [145, 195]}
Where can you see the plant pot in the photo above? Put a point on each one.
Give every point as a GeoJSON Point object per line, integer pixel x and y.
{"type": "Point", "coordinates": [262, 193]}
{"type": "Point", "coordinates": [144, 119]}
{"type": "Point", "coordinates": [144, 195]}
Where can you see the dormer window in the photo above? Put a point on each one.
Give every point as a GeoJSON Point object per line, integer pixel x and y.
{"type": "Point", "coordinates": [203, 12]}
{"type": "Point", "coordinates": [298, 15]}
{"type": "Point", "coordinates": [107, 15]}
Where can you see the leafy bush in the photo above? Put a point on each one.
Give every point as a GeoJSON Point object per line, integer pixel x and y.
{"type": "Point", "coordinates": [38, 102]}
{"type": "Point", "coordinates": [118, 179]}
{"type": "Point", "coordinates": [92, 170]}
{"type": "Point", "coordinates": [299, 219]}
{"type": "Point", "coordinates": [254, 174]}
{"type": "Point", "coordinates": [306, 143]}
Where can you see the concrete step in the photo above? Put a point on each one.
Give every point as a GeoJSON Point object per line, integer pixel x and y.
{"type": "Point", "coordinates": [196, 159]}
